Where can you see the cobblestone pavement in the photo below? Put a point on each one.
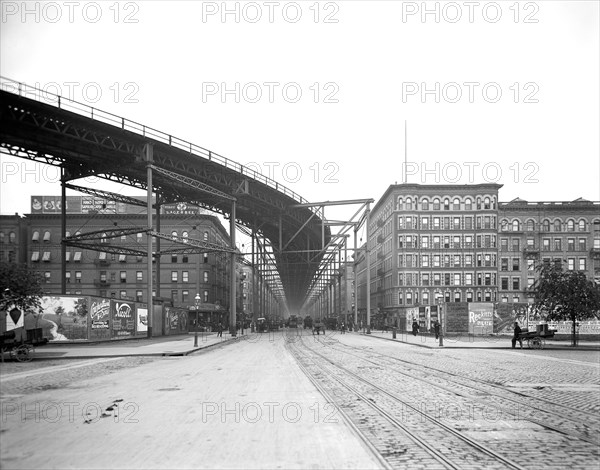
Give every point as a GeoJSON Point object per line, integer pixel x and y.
{"type": "Point", "coordinates": [525, 407]}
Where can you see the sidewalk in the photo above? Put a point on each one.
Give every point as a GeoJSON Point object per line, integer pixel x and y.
{"type": "Point", "coordinates": [476, 342]}
{"type": "Point", "coordinates": [180, 345]}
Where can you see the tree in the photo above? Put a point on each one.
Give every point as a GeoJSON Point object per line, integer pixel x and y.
{"type": "Point", "coordinates": [20, 286]}
{"type": "Point", "coordinates": [565, 295]}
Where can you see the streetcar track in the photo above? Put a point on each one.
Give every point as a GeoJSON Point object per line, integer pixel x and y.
{"type": "Point", "coordinates": [577, 435]}
{"type": "Point", "coordinates": [53, 369]}
{"type": "Point", "coordinates": [440, 457]}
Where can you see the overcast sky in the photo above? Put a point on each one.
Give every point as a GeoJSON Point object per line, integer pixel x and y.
{"type": "Point", "coordinates": [317, 94]}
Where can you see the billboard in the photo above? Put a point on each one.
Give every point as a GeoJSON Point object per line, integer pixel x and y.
{"type": "Point", "coordinates": [64, 317]}
{"type": "Point", "coordinates": [123, 318]}
{"type": "Point", "coordinates": [481, 318]}
{"type": "Point", "coordinates": [99, 318]}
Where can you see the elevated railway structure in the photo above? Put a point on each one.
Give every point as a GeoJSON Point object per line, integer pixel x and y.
{"type": "Point", "coordinates": [84, 141]}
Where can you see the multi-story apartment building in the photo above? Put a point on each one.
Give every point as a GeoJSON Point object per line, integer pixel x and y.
{"type": "Point", "coordinates": [457, 243]}
{"type": "Point", "coordinates": [36, 240]}
{"type": "Point", "coordinates": [531, 232]}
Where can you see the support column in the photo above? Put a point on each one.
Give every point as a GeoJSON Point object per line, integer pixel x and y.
{"type": "Point", "coordinates": [368, 259]}
{"type": "Point", "coordinates": [158, 250]}
{"type": "Point", "coordinates": [232, 287]}
{"type": "Point", "coordinates": [148, 151]}
{"type": "Point", "coordinates": [63, 230]}
{"type": "Point", "coordinates": [355, 279]}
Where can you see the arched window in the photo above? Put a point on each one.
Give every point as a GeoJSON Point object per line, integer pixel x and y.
{"type": "Point", "coordinates": [546, 226]}
{"type": "Point", "coordinates": [446, 204]}
{"type": "Point", "coordinates": [456, 204]}
{"type": "Point", "coordinates": [493, 203]}
{"type": "Point", "coordinates": [408, 204]}
{"type": "Point", "coordinates": [486, 203]}
{"type": "Point", "coordinates": [12, 237]}
{"type": "Point", "coordinates": [185, 235]}
{"type": "Point", "coordinates": [174, 234]}
{"type": "Point", "coordinates": [516, 226]}
{"type": "Point", "coordinates": [468, 204]}
{"type": "Point", "coordinates": [400, 203]}
{"type": "Point", "coordinates": [557, 225]}
{"type": "Point", "coordinates": [530, 225]}
{"type": "Point", "coordinates": [205, 236]}
{"type": "Point", "coordinates": [436, 204]}
{"type": "Point", "coordinates": [570, 226]}
{"type": "Point", "coordinates": [425, 204]}
{"type": "Point", "coordinates": [478, 203]}
{"type": "Point", "coordinates": [582, 225]}
{"type": "Point", "coordinates": [504, 225]}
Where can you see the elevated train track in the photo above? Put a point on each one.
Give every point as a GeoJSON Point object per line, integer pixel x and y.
{"type": "Point", "coordinates": [84, 141]}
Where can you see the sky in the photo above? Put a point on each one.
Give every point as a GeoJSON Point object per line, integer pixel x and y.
{"type": "Point", "coordinates": [317, 95]}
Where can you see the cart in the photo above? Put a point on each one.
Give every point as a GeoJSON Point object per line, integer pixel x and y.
{"type": "Point", "coordinates": [537, 339]}
{"type": "Point", "coordinates": [20, 344]}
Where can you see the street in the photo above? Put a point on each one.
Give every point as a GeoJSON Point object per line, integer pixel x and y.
{"type": "Point", "coordinates": [291, 400]}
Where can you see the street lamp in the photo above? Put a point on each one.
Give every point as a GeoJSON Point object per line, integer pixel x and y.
{"type": "Point", "coordinates": [197, 303]}
{"type": "Point", "coordinates": [440, 307]}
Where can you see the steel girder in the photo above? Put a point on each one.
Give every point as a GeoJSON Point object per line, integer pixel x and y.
{"type": "Point", "coordinates": [84, 146]}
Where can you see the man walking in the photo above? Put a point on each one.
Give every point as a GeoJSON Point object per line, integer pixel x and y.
{"type": "Point", "coordinates": [517, 336]}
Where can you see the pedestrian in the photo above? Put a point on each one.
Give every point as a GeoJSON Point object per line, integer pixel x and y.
{"type": "Point", "coordinates": [342, 328]}
{"type": "Point", "coordinates": [415, 327]}
{"type": "Point", "coordinates": [220, 330]}
{"type": "Point", "coordinates": [436, 329]}
{"type": "Point", "coordinates": [517, 336]}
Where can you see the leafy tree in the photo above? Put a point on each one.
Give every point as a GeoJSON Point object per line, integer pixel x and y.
{"type": "Point", "coordinates": [20, 286]}
{"type": "Point", "coordinates": [565, 295]}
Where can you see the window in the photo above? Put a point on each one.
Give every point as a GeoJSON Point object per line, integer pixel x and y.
{"type": "Point", "coordinates": [409, 279]}
{"type": "Point", "coordinates": [546, 244]}
{"type": "Point", "coordinates": [35, 256]}
{"type": "Point", "coordinates": [12, 237]}
{"type": "Point", "coordinates": [425, 261]}
{"type": "Point", "coordinates": [446, 204]}
{"type": "Point", "coordinates": [530, 265]}
{"type": "Point", "coordinates": [570, 244]}
{"type": "Point", "coordinates": [47, 236]}
{"type": "Point", "coordinates": [469, 279]}
{"type": "Point", "coordinates": [456, 241]}
{"type": "Point", "coordinates": [468, 204]}
{"type": "Point", "coordinates": [46, 256]}
{"type": "Point", "coordinates": [515, 264]}
{"type": "Point", "coordinates": [570, 226]}
{"type": "Point", "coordinates": [516, 227]}
{"type": "Point", "coordinates": [436, 204]}
{"type": "Point", "coordinates": [36, 236]}
{"type": "Point", "coordinates": [582, 226]}
{"type": "Point", "coordinates": [486, 203]}
{"type": "Point", "coordinates": [400, 279]}
{"type": "Point", "coordinates": [139, 237]}
{"type": "Point", "coordinates": [68, 277]}
{"type": "Point", "coordinates": [457, 260]}
{"type": "Point", "coordinates": [424, 242]}
{"type": "Point", "coordinates": [516, 283]}
{"type": "Point", "coordinates": [436, 223]}
{"type": "Point", "coordinates": [446, 279]}
{"type": "Point", "coordinates": [436, 261]}
{"type": "Point", "coordinates": [205, 236]}
{"type": "Point", "coordinates": [530, 281]}
{"type": "Point", "coordinates": [174, 235]}
{"type": "Point", "coordinates": [78, 276]}
{"type": "Point", "coordinates": [184, 258]}
{"type": "Point", "coordinates": [205, 257]}
{"type": "Point", "coordinates": [173, 258]}
{"type": "Point", "coordinates": [557, 244]}
{"type": "Point", "coordinates": [409, 298]}
{"type": "Point", "coordinates": [205, 296]}
{"type": "Point", "coordinates": [457, 279]}
{"type": "Point", "coordinates": [173, 276]}
{"type": "Point", "coordinates": [546, 226]}
{"type": "Point", "coordinates": [456, 204]}
{"type": "Point", "coordinates": [457, 296]}
{"type": "Point", "coordinates": [582, 244]}
{"type": "Point", "coordinates": [139, 276]}
{"type": "Point", "coordinates": [468, 260]}
{"type": "Point", "coordinates": [582, 264]}
{"type": "Point", "coordinates": [123, 294]}
{"type": "Point", "coordinates": [123, 277]}
{"type": "Point", "coordinates": [408, 205]}
{"type": "Point", "coordinates": [557, 226]}
{"type": "Point", "coordinates": [504, 244]}
{"type": "Point", "coordinates": [488, 279]}
{"type": "Point", "coordinates": [205, 277]}
{"type": "Point", "coordinates": [174, 293]}
{"type": "Point", "coordinates": [102, 256]}
{"type": "Point", "coordinates": [185, 295]}
{"type": "Point", "coordinates": [456, 223]}
{"type": "Point", "coordinates": [103, 238]}
{"type": "Point", "coordinates": [122, 258]}
{"type": "Point", "coordinates": [139, 295]}
{"type": "Point", "coordinates": [530, 225]}
{"type": "Point", "coordinates": [504, 283]}
{"type": "Point", "coordinates": [424, 223]}
{"type": "Point", "coordinates": [185, 235]}
{"type": "Point", "coordinates": [425, 204]}
{"type": "Point", "coordinates": [515, 244]}
{"type": "Point", "coordinates": [425, 279]}
{"type": "Point", "coordinates": [47, 275]}
{"type": "Point", "coordinates": [425, 298]}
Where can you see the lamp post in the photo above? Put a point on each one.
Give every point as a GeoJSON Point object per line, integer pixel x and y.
{"type": "Point", "coordinates": [197, 303]}
{"type": "Point", "coordinates": [440, 307]}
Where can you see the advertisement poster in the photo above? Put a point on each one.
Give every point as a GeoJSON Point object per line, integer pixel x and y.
{"type": "Point", "coordinates": [507, 314]}
{"type": "Point", "coordinates": [64, 317]}
{"type": "Point", "coordinates": [99, 318]}
{"type": "Point", "coordinates": [481, 318]}
{"type": "Point", "coordinates": [123, 318]}
{"type": "Point", "coordinates": [142, 319]}
{"type": "Point", "coordinates": [411, 315]}
{"type": "Point", "coordinates": [457, 317]}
